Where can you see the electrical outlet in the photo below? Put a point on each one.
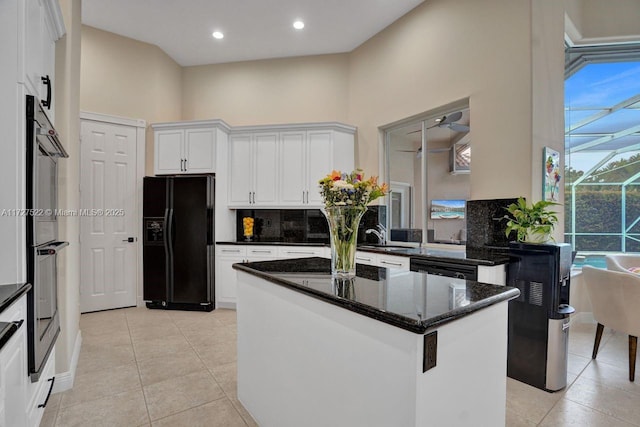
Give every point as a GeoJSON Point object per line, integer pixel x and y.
{"type": "Point", "coordinates": [430, 351]}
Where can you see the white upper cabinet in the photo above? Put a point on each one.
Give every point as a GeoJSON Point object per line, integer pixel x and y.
{"type": "Point", "coordinates": [319, 163]}
{"type": "Point", "coordinates": [186, 147]}
{"type": "Point", "coordinates": [292, 178]}
{"type": "Point", "coordinates": [286, 163]}
{"type": "Point", "coordinates": [253, 172]}
{"type": "Point", "coordinates": [200, 150]}
{"type": "Point", "coordinates": [265, 169]}
{"type": "Point", "coordinates": [168, 151]}
{"type": "Point", "coordinates": [241, 167]}
{"type": "Point", "coordinates": [43, 25]}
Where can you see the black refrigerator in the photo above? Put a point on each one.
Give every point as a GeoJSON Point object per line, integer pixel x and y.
{"type": "Point", "coordinates": [178, 230]}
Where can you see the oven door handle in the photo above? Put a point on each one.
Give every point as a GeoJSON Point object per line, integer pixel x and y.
{"type": "Point", "coordinates": [52, 248]}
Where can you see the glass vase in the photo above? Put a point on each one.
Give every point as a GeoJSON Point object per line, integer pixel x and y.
{"type": "Point", "coordinates": [343, 230]}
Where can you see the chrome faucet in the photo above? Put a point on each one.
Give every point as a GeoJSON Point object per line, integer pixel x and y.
{"type": "Point", "coordinates": [380, 233]}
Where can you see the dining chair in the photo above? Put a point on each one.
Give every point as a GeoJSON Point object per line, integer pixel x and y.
{"type": "Point", "coordinates": [615, 300]}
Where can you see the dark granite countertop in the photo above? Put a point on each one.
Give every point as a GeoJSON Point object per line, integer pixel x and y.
{"type": "Point", "coordinates": [468, 257]}
{"type": "Point", "coordinates": [412, 301]}
{"type": "Point", "coordinates": [10, 293]}
{"type": "Point", "coordinates": [272, 244]}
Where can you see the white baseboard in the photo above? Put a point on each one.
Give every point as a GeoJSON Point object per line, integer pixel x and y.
{"type": "Point", "coordinates": [64, 380]}
{"type": "Point", "coordinates": [140, 302]}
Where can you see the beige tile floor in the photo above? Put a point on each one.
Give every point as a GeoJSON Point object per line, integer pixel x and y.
{"type": "Point", "coordinates": [142, 367]}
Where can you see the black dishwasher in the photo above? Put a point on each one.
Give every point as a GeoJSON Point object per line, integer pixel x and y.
{"type": "Point", "coordinates": [444, 268]}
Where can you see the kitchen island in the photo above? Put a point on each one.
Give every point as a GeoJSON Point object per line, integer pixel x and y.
{"type": "Point", "coordinates": [389, 348]}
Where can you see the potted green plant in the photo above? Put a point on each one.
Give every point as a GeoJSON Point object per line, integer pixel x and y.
{"type": "Point", "coordinates": [532, 223]}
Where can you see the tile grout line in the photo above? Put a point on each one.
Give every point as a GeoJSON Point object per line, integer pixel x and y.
{"type": "Point", "coordinates": [135, 358]}
{"type": "Point", "coordinates": [226, 395]}
{"type": "Point", "coordinates": [608, 386]}
{"type": "Point", "coordinates": [564, 392]}
{"type": "Point", "coordinates": [603, 413]}
{"type": "Point", "coordinates": [209, 370]}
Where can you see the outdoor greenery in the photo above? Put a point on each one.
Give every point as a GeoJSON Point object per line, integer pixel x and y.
{"type": "Point", "coordinates": [599, 207]}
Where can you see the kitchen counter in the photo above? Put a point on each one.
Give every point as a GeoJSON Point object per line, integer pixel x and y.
{"type": "Point", "coordinates": [10, 293]}
{"type": "Point", "coordinates": [252, 243]}
{"type": "Point", "coordinates": [391, 347]}
{"type": "Point", "coordinates": [468, 257]}
{"type": "Point", "coordinates": [399, 307]}
{"type": "Point", "coordinates": [472, 256]}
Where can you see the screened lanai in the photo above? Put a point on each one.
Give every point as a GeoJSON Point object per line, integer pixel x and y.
{"type": "Point", "coordinates": [602, 147]}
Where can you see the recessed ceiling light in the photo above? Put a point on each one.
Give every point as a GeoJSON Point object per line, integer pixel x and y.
{"type": "Point", "coordinates": [217, 35]}
{"type": "Point", "coordinates": [298, 25]}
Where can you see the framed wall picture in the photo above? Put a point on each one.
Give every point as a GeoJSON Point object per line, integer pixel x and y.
{"type": "Point", "coordinates": [551, 175]}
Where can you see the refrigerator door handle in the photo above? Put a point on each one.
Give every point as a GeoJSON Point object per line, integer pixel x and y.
{"type": "Point", "coordinates": [173, 230]}
{"type": "Point", "coordinates": [169, 234]}
{"type": "Point", "coordinates": [210, 226]}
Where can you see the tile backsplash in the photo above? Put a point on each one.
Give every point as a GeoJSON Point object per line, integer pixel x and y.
{"type": "Point", "coordinates": [301, 225]}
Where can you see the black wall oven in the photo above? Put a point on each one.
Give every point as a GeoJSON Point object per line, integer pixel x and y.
{"type": "Point", "coordinates": [43, 151]}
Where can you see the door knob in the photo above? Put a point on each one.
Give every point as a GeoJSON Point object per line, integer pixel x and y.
{"type": "Point", "coordinates": [129, 240]}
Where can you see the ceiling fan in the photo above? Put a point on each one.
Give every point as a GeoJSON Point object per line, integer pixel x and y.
{"type": "Point", "coordinates": [418, 152]}
{"type": "Point", "coordinates": [449, 122]}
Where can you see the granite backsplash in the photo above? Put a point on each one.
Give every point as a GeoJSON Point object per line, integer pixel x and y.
{"type": "Point", "coordinates": [486, 224]}
{"type": "Point", "coordinates": [302, 225]}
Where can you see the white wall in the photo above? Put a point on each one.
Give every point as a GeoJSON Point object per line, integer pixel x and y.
{"type": "Point", "coordinates": [547, 88]}
{"type": "Point", "coordinates": [67, 107]}
{"type": "Point", "coordinates": [444, 51]}
{"type": "Point", "coordinates": [603, 22]}
{"type": "Point", "coordinates": [289, 90]}
{"type": "Point", "coordinates": [127, 78]}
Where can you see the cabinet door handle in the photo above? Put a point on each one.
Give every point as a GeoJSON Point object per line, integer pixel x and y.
{"type": "Point", "coordinates": [47, 81]}
{"type": "Point", "coordinates": [299, 253]}
{"type": "Point", "coordinates": [185, 165]}
{"type": "Point", "coordinates": [397, 264]}
{"type": "Point", "coordinates": [258, 251]}
{"type": "Point", "coordinates": [231, 251]}
{"type": "Point", "coordinates": [43, 405]}
{"type": "Point", "coordinates": [254, 197]}
{"type": "Point", "coordinates": [363, 259]}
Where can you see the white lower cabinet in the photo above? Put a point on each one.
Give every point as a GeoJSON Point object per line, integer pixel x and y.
{"type": "Point", "coordinates": [13, 368]}
{"type": "Point", "coordinates": [390, 261]}
{"type": "Point", "coordinates": [494, 274]}
{"type": "Point", "coordinates": [285, 252]}
{"type": "Point", "coordinates": [22, 402]}
{"type": "Point", "coordinates": [383, 260]}
{"type": "Point", "coordinates": [227, 255]}
{"type": "Point", "coordinates": [261, 253]}
{"type": "Point", "coordinates": [366, 258]}
{"type": "Point", "coordinates": [39, 392]}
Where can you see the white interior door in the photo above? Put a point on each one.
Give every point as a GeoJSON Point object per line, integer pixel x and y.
{"type": "Point", "coordinates": [108, 260]}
